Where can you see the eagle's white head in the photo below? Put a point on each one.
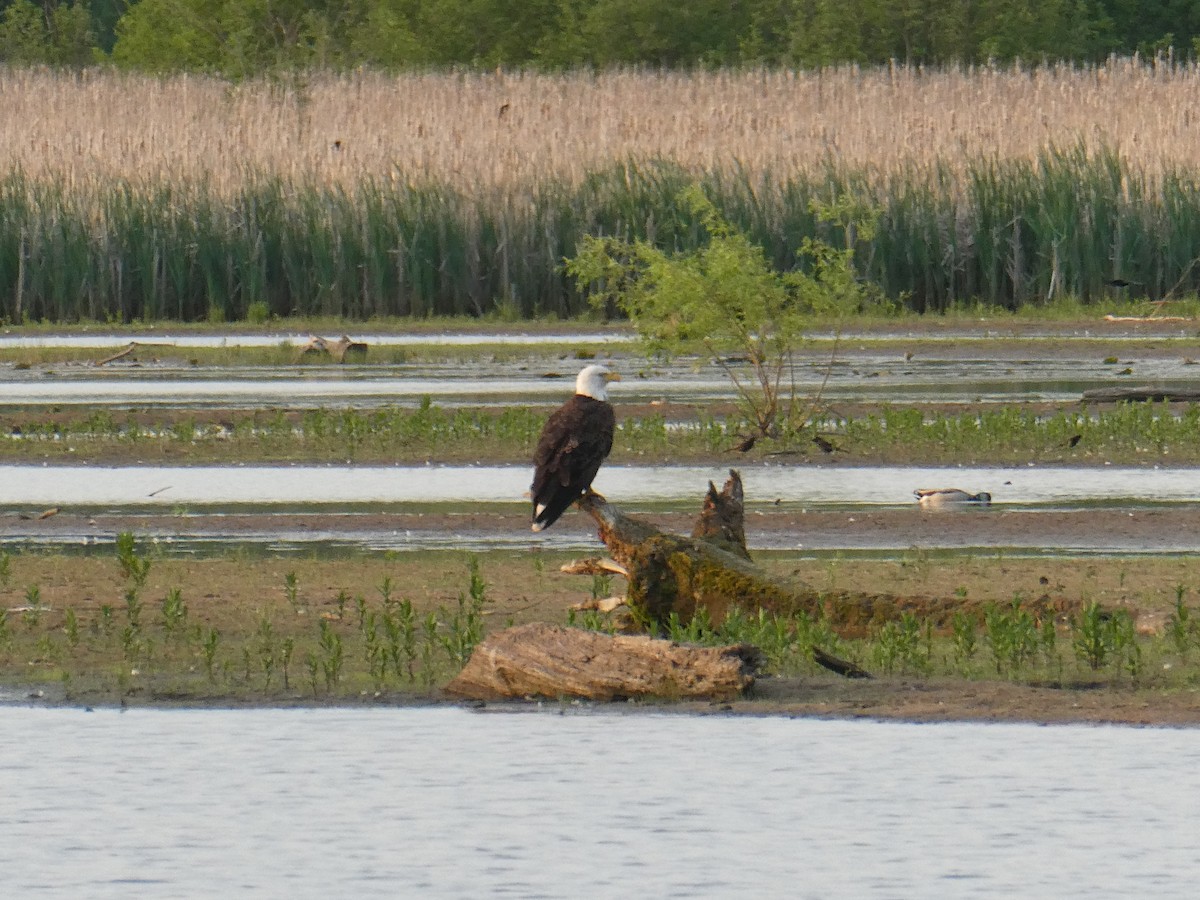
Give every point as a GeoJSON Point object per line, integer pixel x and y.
{"type": "Point", "coordinates": [593, 382]}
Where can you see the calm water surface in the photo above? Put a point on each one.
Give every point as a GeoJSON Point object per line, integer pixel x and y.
{"type": "Point", "coordinates": [452, 803]}
{"type": "Point", "coordinates": [150, 485]}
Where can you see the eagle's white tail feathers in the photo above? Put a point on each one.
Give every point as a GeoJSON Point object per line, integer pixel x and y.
{"type": "Point", "coordinates": [537, 526]}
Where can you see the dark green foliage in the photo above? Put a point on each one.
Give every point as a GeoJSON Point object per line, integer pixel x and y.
{"type": "Point", "coordinates": [240, 37]}
{"type": "Point", "coordinates": [61, 33]}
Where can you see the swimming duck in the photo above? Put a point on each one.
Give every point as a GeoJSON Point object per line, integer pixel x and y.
{"type": "Point", "coordinates": [932, 497]}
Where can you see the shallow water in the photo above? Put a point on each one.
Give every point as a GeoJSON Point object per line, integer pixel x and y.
{"type": "Point", "coordinates": [471, 385]}
{"type": "Point", "coordinates": [314, 486]}
{"type": "Point", "coordinates": [283, 389]}
{"type": "Point", "coordinates": [867, 373]}
{"type": "Point", "coordinates": [450, 803]}
{"type": "Point", "coordinates": [93, 341]}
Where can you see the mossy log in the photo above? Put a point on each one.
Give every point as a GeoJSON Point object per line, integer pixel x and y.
{"type": "Point", "coordinates": [540, 660]}
{"type": "Point", "coordinates": [671, 575]}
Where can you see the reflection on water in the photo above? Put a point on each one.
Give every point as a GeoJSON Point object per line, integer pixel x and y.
{"type": "Point", "coordinates": [448, 803]}
{"type": "Point", "coordinates": [317, 485]}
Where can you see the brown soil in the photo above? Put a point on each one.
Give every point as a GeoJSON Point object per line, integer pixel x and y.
{"type": "Point", "coordinates": [937, 700]}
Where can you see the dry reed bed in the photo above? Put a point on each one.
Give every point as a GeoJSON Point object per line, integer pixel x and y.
{"type": "Point", "coordinates": [510, 130]}
{"type": "Point", "coordinates": [125, 197]}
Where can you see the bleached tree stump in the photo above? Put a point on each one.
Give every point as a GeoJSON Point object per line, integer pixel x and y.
{"type": "Point", "coordinates": [540, 660]}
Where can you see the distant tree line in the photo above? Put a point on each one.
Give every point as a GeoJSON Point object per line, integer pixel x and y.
{"type": "Point", "coordinates": [243, 37]}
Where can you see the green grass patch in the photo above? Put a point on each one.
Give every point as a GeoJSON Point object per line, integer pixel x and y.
{"type": "Point", "coordinates": [1130, 433]}
{"type": "Point", "coordinates": [1098, 648]}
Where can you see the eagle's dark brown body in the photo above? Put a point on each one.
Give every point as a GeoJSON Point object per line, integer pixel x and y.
{"type": "Point", "coordinates": [574, 442]}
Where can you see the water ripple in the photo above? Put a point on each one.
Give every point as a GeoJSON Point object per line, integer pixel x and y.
{"type": "Point", "coordinates": [384, 803]}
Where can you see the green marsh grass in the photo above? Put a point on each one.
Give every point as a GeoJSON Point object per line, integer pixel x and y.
{"type": "Point", "coordinates": [96, 652]}
{"type": "Point", "coordinates": [1059, 226]}
{"type": "Point", "coordinates": [1106, 648]}
{"type": "Point", "coordinates": [1129, 432]}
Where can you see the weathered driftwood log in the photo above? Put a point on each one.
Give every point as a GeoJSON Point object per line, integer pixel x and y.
{"type": "Point", "coordinates": [674, 575]}
{"type": "Point", "coordinates": [345, 348]}
{"type": "Point", "coordinates": [540, 660]}
{"type": "Point", "coordinates": [120, 354]}
{"type": "Point", "coordinates": [133, 348]}
{"type": "Point", "coordinates": [341, 350]}
{"type": "Point", "coordinates": [1141, 394]}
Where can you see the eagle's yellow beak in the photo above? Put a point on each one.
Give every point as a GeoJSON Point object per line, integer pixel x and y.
{"type": "Point", "coordinates": [612, 376]}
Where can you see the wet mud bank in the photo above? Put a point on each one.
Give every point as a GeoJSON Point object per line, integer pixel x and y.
{"type": "Point", "coordinates": [1142, 530]}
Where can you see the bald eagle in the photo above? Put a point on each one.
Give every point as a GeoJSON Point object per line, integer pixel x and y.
{"type": "Point", "coordinates": [574, 441]}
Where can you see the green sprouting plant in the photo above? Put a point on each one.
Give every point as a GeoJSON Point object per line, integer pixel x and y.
{"type": "Point", "coordinates": [265, 645]}
{"type": "Point", "coordinates": [360, 606]}
{"type": "Point", "coordinates": [212, 639]}
{"type": "Point", "coordinates": [71, 628]}
{"type": "Point", "coordinates": [131, 644]}
{"type": "Point", "coordinates": [964, 631]}
{"type": "Point", "coordinates": [1049, 643]}
{"type": "Point", "coordinates": [400, 623]}
{"type": "Point", "coordinates": [5, 569]}
{"type": "Point", "coordinates": [291, 590]}
{"type": "Point", "coordinates": [33, 606]}
{"type": "Point", "coordinates": [601, 586]}
{"type": "Point", "coordinates": [385, 590]}
{"type": "Point", "coordinates": [1012, 634]}
{"type": "Point", "coordinates": [591, 620]}
{"type": "Point", "coordinates": [332, 655]}
{"type": "Point", "coordinates": [429, 644]}
{"type": "Point", "coordinates": [5, 634]}
{"type": "Point", "coordinates": [904, 643]}
{"type": "Point", "coordinates": [342, 599]}
{"type": "Point", "coordinates": [374, 650]}
{"type": "Point", "coordinates": [106, 619]}
{"type": "Point", "coordinates": [1181, 628]}
{"type": "Point", "coordinates": [466, 625]}
{"type": "Point", "coordinates": [133, 566]}
{"type": "Point", "coordinates": [133, 609]}
{"type": "Point", "coordinates": [286, 648]}
{"type": "Point", "coordinates": [45, 646]}
{"type": "Point", "coordinates": [1102, 635]}
{"type": "Point", "coordinates": [313, 667]}
{"type": "Point", "coordinates": [1090, 642]}
{"type": "Point", "coordinates": [174, 612]}
{"type": "Point", "coordinates": [1125, 643]}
